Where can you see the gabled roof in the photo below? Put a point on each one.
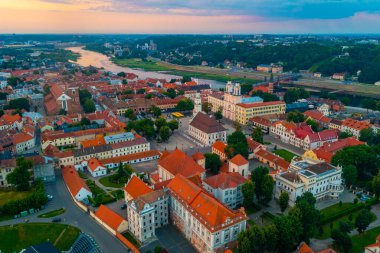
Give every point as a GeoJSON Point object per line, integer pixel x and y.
{"type": "Point", "coordinates": [198, 156]}
{"type": "Point", "coordinates": [273, 158]}
{"type": "Point", "coordinates": [206, 123]}
{"type": "Point", "coordinates": [72, 180]}
{"type": "Point", "coordinates": [177, 162]}
{"type": "Point", "coordinates": [94, 163]}
{"type": "Point", "coordinates": [356, 124]}
{"type": "Point", "coordinates": [208, 210]}
{"type": "Point", "coordinates": [225, 180]}
{"type": "Point", "coordinates": [136, 187]}
{"type": "Point", "coordinates": [109, 217]}
{"type": "Point", "coordinates": [220, 146]}
{"type": "Point", "coordinates": [239, 160]}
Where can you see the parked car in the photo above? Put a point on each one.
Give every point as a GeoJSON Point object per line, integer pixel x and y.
{"type": "Point", "coordinates": [123, 206]}
{"type": "Point", "coordinates": [50, 197]}
{"type": "Point", "coordinates": [57, 220]}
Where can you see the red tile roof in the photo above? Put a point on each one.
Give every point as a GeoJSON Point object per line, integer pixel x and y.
{"type": "Point", "coordinates": [239, 160]}
{"type": "Point", "coordinates": [136, 187]}
{"type": "Point", "coordinates": [72, 180]}
{"type": "Point", "coordinates": [177, 162]}
{"type": "Point", "coordinates": [225, 180]}
{"type": "Point", "coordinates": [208, 210]}
{"type": "Point", "coordinates": [94, 163]}
{"type": "Point", "coordinates": [220, 146]}
{"type": "Point", "coordinates": [109, 217]}
{"type": "Point", "coordinates": [198, 156]}
{"type": "Point", "coordinates": [273, 158]}
{"type": "Point", "coordinates": [356, 124]}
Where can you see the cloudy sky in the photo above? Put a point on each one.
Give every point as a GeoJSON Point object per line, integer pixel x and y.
{"type": "Point", "coordinates": [190, 16]}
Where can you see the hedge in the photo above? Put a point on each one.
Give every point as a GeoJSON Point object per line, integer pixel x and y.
{"type": "Point", "coordinates": [342, 213]}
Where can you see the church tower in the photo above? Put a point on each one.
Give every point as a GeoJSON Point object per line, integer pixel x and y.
{"type": "Point", "coordinates": [197, 104]}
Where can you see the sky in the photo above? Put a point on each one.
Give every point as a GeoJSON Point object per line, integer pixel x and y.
{"type": "Point", "coordinates": [190, 16]}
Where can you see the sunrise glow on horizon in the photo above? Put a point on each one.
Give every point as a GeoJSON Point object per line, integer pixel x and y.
{"type": "Point", "coordinates": [193, 16]}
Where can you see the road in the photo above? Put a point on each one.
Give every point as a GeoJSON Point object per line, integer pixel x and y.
{"type": "Point", "coordinates": [74, 216]}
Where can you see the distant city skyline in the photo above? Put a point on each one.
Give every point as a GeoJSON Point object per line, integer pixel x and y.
{"type": "Point", "coordinates": [193, 16]}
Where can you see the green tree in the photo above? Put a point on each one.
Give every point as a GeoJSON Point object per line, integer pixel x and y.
{"type": "Point", "coordinates": [186, 79]}
{"type": "Point", "coordinates": [295, 116]}
{"type": "Point", "coordinates": [289, 231]}
{"type": "Point", "coordinates": [185, 105]}
{"type": "Point", "coordinates": [18, 104]}
{"type": "Point", "coordinates": [313, 124]}
{"type": "Point", "coordinates": [341, 240]}
{"type": "Point", "coordinates": [20, 176]}
{"type": "Point", "coordinates": [155, 111]}
{"type": "Point", "coordinates": [89, 106]}
{"type": "Point", "coordinates": [361, 156]}
{"type": "Point", "coordinates": [170, 93]}
{"type": "Point", "coordinates": [237, 144]}
{"type": "Point", "coordinates": [367, 135]}
{"type": "Point", "coordinates": [344, 135]}
{"type": "Point", "coordinates": [375, 183]}
{"type": "Point", "coordinates": [160, 122]}
{"type": "Point", "coordinates": [346, 226]}
{"type": "Point", "coordinates": [84, 95]}
{"type": "Point", "coordinates": [218, 115]}
{"type": "Point", "coordinates": [306, 212]}
{"type": "Point", "coordinates": [206, 107]}
{"type": "Point", "coordinates": [268, 186]}
{"type": "Point", "coordinates": [363, 220]}
{"type": "Point", "coordinates": [283, 201]}
{"type": "Point", "coordinates": [257, 177]}
{"type": "Point", "coordinates": [244, 244]}
{"type": "Point", "coordinates": [257, 135]}
{"type": "Point", "coordinates": [213, 162]}
{"type": "Point", "coordinates": [130, 114]}
{"type": "Point", "coordinates": [369, 104]}
{"type": "Point", "coordinates": [13, 81]}
{"type": "Point", "coordinates": [164, 133]}
{"type": "Point", "coordinates": [248, 191]}
{"type": "Point", "coordinates": [85, 121]}
{"type": "Point", "coordinates": [350, 174]}
{"type": "Point", "coordinates": [148, 131]}
{"type": "Point", "coordinates": [173, 125]}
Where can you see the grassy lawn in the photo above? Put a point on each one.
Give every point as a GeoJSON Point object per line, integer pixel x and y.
{"type": "Point", "coordinates": [193, 71]}
{"type": "Point", "coordinates": [366, 238]}
{"type": "Point", "coordinates": [333, 210]}
{"type": "Point", "coordinates": [139, 64]}
{"type": "Point", "coordinates": [131, 239]}
{"type": "Point", "coordinates": [24, 235]}
{"type": "Point", "coordinates": [107, 183]}
{"type": "Point", "coordinates": [287, 155]}
{"type": "Point", "coordinates": [100, 196]}
{"type": "Point", "coordinates": [52, 213]}
{"type": "Point", "coordinates": [7, 196]}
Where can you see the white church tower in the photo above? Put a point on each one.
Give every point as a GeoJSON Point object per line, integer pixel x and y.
{"type": "Point", "coordinates": [197, 104]}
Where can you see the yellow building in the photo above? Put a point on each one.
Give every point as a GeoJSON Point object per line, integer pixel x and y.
{"type": "Point", "coordinates": [244, 112]}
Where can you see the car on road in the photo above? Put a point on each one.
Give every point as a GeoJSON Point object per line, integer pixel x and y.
{"type": "Point", "coordinates": [56, 220]}
{"type": "Point", "coordinates": [123, 206]}
{"type": "Point", "coordinates": [50, 197]}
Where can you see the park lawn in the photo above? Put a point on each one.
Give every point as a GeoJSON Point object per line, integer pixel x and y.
{"type": "Point", "coordinates": [136, 63]}
{"type": "Point", "coordinates": [364, 239]}
{"type": "Point", "coordinates": [107, 182]}
{"type": "Point", "coordinates": [52, 213]}
{"type": "Point", "coordinates": [17, 237]}
{"type": "Point", "coordinates": [332, 210]}
{"type": "Point", "coordinates": [287, 155]}
{"type": "Point", "coordinates": [7, 196]}
{"type": "Point", "coordinates": [101, 197]}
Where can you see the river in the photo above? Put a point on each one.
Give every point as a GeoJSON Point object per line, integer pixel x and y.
{"type": "Point", "coordinates": [99, 60]}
